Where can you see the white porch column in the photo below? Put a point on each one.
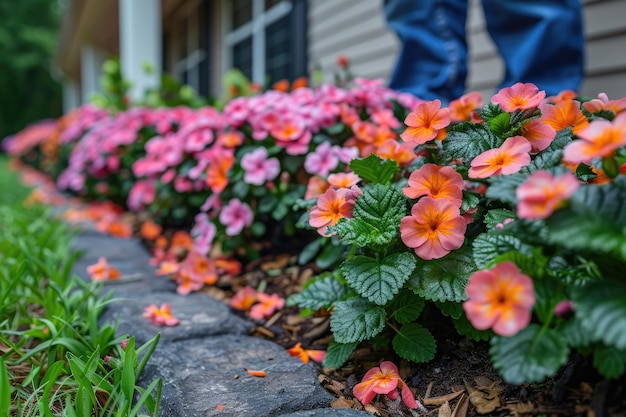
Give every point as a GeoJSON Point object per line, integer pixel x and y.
{"type": "Point", "coordinates": [71, 95]}
{"type": "Point", "coordinates": [140, 44]}
{"type": "Point", "coordinates": [91, 60]}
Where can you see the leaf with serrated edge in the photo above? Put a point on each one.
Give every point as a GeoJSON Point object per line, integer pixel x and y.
{"type": "Point", "coordinates": [601, 307]}
{"type": "Point", "coordinates": [528, 356]}
{"type": "Point", "coordinates": [378, 280]}
{"type": "Point", "coordinates": [406, 306]}
{"type": "Point", "coordinates": [356, 319]}
{"type": "Point", "coordinates": [444, 279]}
{"type": "Point", "coordinates": [337, 354]}
{"type": "Point", "coordinates": [415, 343]}
{"type": "Point", "coordinates": [323, 292]}
{"type": "Point", "coordinates": [375, 169]}
{"type": "Point", "coordinates": [609, 361]}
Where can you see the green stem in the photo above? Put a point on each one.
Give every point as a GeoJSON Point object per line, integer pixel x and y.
{"type": "Point", "coordinates": [545, 326]}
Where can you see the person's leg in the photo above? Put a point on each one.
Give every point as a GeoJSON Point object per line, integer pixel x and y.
{"type": "Point", "coordinates": [433, 58]}
{"type": "Point", "coordinates": [541, 41]}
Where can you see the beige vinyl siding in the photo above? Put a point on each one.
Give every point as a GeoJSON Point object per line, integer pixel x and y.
{"type": "Point", "coordinates": [358, 30]}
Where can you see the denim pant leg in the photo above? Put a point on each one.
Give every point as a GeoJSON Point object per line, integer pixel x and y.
{"type": "Point", "coordinates": [541, 41]}
{"type": "Point", "coordinates": [433, 57]}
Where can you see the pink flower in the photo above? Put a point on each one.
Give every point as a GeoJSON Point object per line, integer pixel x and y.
{"type": "Point", "coordinates": [598, 140]}
{"type": "Point", "coordinates": [160, 316]}
{"type": "Point", "coordinates": [203, 232]}
{"type": "Point", "coordinates": [519, 97]}
{"type": "Point", "coordinates": [331, 207]}
{"type": "Point", "coordinates": [500, 298]}
{"type": "Point", "coordinates": [425, 122]}
{"type": "Point", "coordinates": [543, 193]}
{"type": "Point", "coordinates": [434, 228]}
{"type": "Point", "coordinates": [258, 167]}
{"type": "Point", "coordinates": [321, 161]}
{"type": "Point", "coordinates": [244, 298]}
{"type": "Point", "coordinates": [235, 216]}
{"type": "Point", "coordinates": [508, 159]}
{"type": "Point", "coordinates": [383, 380]}
{"type": "Point", "coordinates": [266, 306]}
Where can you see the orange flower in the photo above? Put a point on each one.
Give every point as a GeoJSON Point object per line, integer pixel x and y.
{"type": "Point", "coordinates": [519, 97]}
{"type": "Point", "coordinates": [244, 298]}
{"type": "Point", "coordinates": [266, 306]}
{"type": "Point", "coordinates": [199, 268]}
{"type": "Point", "coordinates": [543, 193]}
{"type": "Point", "coordinates": [281, 85]}
{"type": "Point", "coordinates": [508, 159]}
{"type": "Point", "coordinates": [539, 134]}
{"type": "Point", "coordinates": [563, 96]}
{"type": "Point", "coordinates": [564, 114]}
{"type": "Point", "coordinates": [434, 228]}
{"type": "Point", "coordinates": [598, 140]}
{"type": "Point", "coordinates": [383, 380]}
{"type": "Point", "coordinates": [167, 268]}
{"type": "Point", "coordinates": [231, 267]}
{"type": "Point", "coordinates": [185, 283]}
{"type": "Point", "coordinates": [603, 103]}
{"type": "Point", "coordinates": [181, 243]}
{"type": "Point", "coordinates": [425, 122]}
{"type": "Point", "coordinates": [500, 298]}
{"type": "Point", "coordinates": [315, 187]}
{"type": "Point", "coordinates": [299, 83]}
{"type": "Point", "coordinates": [150, 230]}
{"type": "Point", "coordinates": [102, 271]}
{"type": "Point", "coordinates": [217, 173]}
{"type": "Point", "coordinates": [230, 139]}
{"type": "Point", "coordinates": [160, 316]}
{"type": "Point", "coordinates": [331, 206]}
{"type": "Point", "coordinates": [461, 109]}
{"type": "Point", "coordinates": [306, 354]}
{"type": "Point", "coordinates": [401, 152]}
{"type": "Point", "coordinates": [437, 182]}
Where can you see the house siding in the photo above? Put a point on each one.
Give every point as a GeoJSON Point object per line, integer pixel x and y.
{"type": "Point", "coordinates": [358, 30]}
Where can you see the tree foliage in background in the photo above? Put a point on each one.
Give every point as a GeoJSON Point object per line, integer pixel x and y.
{"type": "Point", "coordinates": [28, 38]}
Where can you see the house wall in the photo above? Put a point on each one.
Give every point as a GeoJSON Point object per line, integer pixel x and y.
{"type": "Point", "coordinates": [358, 30]}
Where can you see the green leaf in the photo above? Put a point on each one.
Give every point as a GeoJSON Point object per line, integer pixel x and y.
{"type": "Point", "coordinates": [500, 124]}
{"type": "Point", "coordinates": [503, 187]}
{"type": "Point", "coordinates": [585, 173]}
{"type": "Point", "coordinates": [470, 200]}
{"type": "Point", "coordinates": [601, 308]}
{"type": "Point", "coordinates": [376, 217]}
{"type": "Point", "coordinates": [356, 319]}
{"type": "Point", "coordinates": [465, 328]}
{"type": "Point", "coordinates": [444, 279]}
{"type": "Point", "coordinates": [309, 251]}
{"type": "Point", "coordinates": [488, 246]}
{"type": "Point", "coordinates": [379, 280]}
{"type": "Point", "coordinates": [467, 140]}
{"type": "Point", "coordinates": [5, 389]}
{"type": "Point", "coordinates": [324, 291]}
{"type": "Point", "coordinates": [414, 343]}
{"type": "Point", "coordinates": [575, 334]}
{"type": "Point", "coordinates": [609, 361]}
{"type": "Point", "coordinates": [594, 220]}
{"type": "Point", "coordinates": [128, 370]}
{"type": "Point", "coordinates": [497, 216]}
{"type": "Point", "coordinates": [490, 111]}
{"type": "Point", "coordinates": [406, 306]}
{"type": "Point", "coordinates": [450, 309]}
{"type": "Point", "coordinates": [330, 255]}
{"type": "Point", "coordinates": [375, 169]}
{"type": "Point", "coordinates": [529, 356]}
{"type": "Point", "coordinates": [337, 354]}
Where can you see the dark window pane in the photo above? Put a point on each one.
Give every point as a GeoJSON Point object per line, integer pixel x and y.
{"type": "Point", "coordinates": [242, 57]}
{"type": "Point", "coordinates": [277, 57]}
{"type": "Point", "coordinates": [242, 12]}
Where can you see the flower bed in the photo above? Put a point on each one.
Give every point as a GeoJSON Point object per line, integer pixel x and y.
{"type": "Point", "coordinates": [506, 218]}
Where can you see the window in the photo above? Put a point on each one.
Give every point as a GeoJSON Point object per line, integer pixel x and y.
{"type": "Point", "coordinates": [266, 39]}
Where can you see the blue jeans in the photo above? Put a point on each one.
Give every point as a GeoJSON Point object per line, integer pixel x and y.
{"type": "Point", "coordinates": [540, 41]}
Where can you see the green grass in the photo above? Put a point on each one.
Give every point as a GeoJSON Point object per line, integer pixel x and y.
{"type": "Point", "coordinates": [52, 348]}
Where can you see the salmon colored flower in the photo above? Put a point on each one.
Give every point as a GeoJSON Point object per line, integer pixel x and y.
{"type": "Point", "coordinates": [508, 159]}
{"type": "Point", "coordinates": [383, 380]}
{"type": "Point", "coordinates": [500, 298]}
{"type": "Point", "coordinates": [598, 140]}
{"type": "Point", "coordinates": [401, 152]}
{"type": "Point", "coordinates": [244, 298]}
{"type": "Point", "coordinates": [519, 96]}
{"type": "Point", "coordinates": [230, 267]}
{"type": "Point", "coordinates": [115, 228]}
{"type": "Point", "coordinates": [102, 271]}
{"type": "Point", "coordinates": [199, 268]}
{"type": "Point", "coordinates": [563, 96]}
{"type": "Point", "coordinates": [564, 114]}
{"type": "Point", "coordinates": [230, 139]}
{"type": "Point", "coordinates": [461, 109]}
{"type": "Point", "coordinates": [542, 193]}
{"type": "Point", "coordinates": [437, 182]}
{"type": "Point", "coordinates": [315, 187]}
{"type": "Point", "coordinates": [217, 173]}
{"type": "Point", "coordinates": [150, 230]}
{"type": "Point", "coordinates": [434, 228]}
{"type": "Point", "coordinates": [343, 179]}
{"type": "Point", "coordinates": [603, 103]}
{"type": "Point", "coordinates": [306, 354]}
{"type": "Point", "coordinates": [167, 268]}
{"type": "Point", "coordinates": [160, 316]}
{"type": "Point", "coordinates": [185, 283]}
{"type": "Point", "coordinates": [331, 206]}
{"type": "Point", "coordinates": [539, 134]}
{"type": "Point", "coordinates": [425, 122]}
{"type": "Point", "coordinates": [266, 306]}
{"type": "Point", "coordinates": [180, 244]}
